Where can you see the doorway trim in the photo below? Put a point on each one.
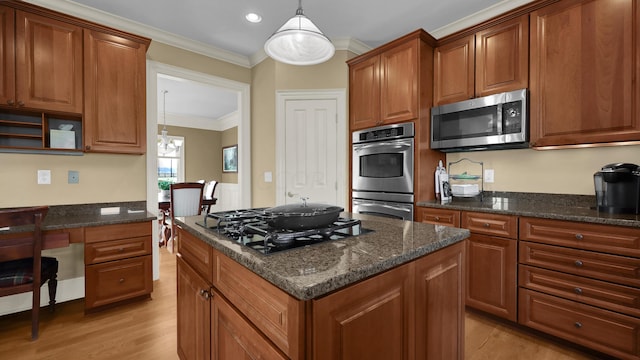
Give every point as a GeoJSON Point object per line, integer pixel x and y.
{"type": "Point", "coordinates": [340, 95]}
{"type": "Point", "coordinates": [244, 136]}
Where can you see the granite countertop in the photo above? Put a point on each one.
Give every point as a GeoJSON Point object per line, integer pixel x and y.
{"type": "Point", "coordinates": [549, 206]}
{"type": "Point", "coordinates": [312, 271]}
{"type": "Point", "coordinates": [83, 215]}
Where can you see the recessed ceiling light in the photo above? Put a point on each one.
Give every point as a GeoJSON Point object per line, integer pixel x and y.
{"type": "Point", "coordinates": [253, 17]}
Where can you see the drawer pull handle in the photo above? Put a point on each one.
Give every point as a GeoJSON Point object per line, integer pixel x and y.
{"type": "Point", "coordinates": [486, 225]}
{"type": "Point", "coordinates": [579, 236]}
{"type": "Point", "coordinates": [578, 291]}
{"type": "Point", "coordinates": [205, 294]}
{"type": "Point", "coordinates": [121, 280]}
{"type": "Point", "coordinates": [578, 263]}
{"type": "Point", "coordinates": [577, 324]}
{"type": "Point", "coordinates": [437, 218]}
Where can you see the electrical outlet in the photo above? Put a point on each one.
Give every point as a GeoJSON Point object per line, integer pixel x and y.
{"type": "Point", "coordinates": [74, 177]}
{"type": "Point", "coordinates": [44, 177]}
{"type": "Point", "coordinates": [488, 175]}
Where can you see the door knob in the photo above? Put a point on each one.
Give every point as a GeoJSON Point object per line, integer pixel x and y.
{"type": "Point", "coordinates": [290, 194]}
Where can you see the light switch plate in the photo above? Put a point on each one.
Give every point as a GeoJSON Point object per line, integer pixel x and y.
{"type": "Point", "coordinates": [488, 175]}
{"type": "Point", "coordinates": [268, 176]}
{"type": "Point", "coordinates": [74, 177]}
{"type": "Point", "coordinates": [44, 177]}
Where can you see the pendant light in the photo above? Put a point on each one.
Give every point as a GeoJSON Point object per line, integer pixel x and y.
{"type": "Point", "coordinates": [165, 146]}
{"type": "Point", "coordinates": [299, 42]}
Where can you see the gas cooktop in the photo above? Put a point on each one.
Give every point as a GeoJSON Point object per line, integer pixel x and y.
{"type": "Point", "coordinates": [249, 227]}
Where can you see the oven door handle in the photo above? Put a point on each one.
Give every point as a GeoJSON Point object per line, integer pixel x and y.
{"type": "Point", "coordinates": [395, 145]}
{"type": "Point", "coordinates": [394, 208]}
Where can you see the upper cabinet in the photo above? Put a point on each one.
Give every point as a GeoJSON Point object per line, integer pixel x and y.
{"type": "Point", "coordinates": [115, 100]}
{"type": "Point", "coordinates": [490, 61]}
{"type": "Point", "coordinates": [68, 84]}
{"type": "Point", "coordinates": [585, 58]}
{"type": "Point", "coordinates": [384, 85]}
{"type": "Point", "coordinates": [47, 74]}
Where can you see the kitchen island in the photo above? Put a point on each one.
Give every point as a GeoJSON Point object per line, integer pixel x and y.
{"type": "Point", "coordinates": [396, 292]}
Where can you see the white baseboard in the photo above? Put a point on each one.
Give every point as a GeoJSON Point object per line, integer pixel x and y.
{"type": "Point", "coordinates": [68, 289]}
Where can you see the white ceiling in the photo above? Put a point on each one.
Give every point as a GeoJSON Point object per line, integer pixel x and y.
{"type": "Point", "coordinates": [218, 28]}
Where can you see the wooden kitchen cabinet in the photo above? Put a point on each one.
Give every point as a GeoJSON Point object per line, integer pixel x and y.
{"type": "Point", "coordinates": [118, 264]}
{"type": "Point", "coordinates": [7, 56]}
{"type": "Point", "coordinates": [115, 96]}
{"type": "Point", "coordinates": [194, 313]}
{"type": "Point", "coordinates": [492, 263]}
{"type": "Point", "coordinates": [585, 57]}
{"type": "Point", "coordinates": [490, 61]}
{"type": "Point", "coordinates": [438, 216]}
{"type": "Point", "coordinates": [385, 84]}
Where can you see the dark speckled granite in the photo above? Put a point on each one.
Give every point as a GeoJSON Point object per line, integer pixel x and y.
{"type": "Point", "coordinates": [82, 215]}
{"type": "Point", "coordinates": [548, 206]}
{"type": "Point", "coordinates": [309, 272]}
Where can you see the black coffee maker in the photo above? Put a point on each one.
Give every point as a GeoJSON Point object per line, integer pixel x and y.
{"type": "Point", "coordinates": [618, 188]}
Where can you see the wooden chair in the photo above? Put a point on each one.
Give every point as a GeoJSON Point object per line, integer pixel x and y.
{"type": "Point", "coordinates": [210, 189]}
{"type": "Point", "coordinates": [186, 200]}
{"type": "Point", "coordinates": [22, 267]}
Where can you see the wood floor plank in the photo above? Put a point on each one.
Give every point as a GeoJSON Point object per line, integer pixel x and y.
{"type": "Point", "coordinates": [147, 330]}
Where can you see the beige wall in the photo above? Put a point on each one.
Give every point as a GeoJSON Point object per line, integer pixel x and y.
{"type": "Point", "coordinates": [229, 137]}
{"type": "Point", "coordinates": [201, 152]}
{"type": "Point", "coordinates": [566, 171]}
{"type": "Point", "coordinates": [268, 77]}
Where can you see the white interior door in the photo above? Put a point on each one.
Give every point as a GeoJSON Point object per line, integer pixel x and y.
{"type": "Point", "coordinates": [311, 166]}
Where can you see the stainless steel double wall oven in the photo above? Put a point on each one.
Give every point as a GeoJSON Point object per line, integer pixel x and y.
{"type": "Point", "coordinates": [382, 175]}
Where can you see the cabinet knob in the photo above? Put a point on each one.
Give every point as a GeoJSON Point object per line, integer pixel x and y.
{"type": "Point", "coordinates": [577, 324]}
{"type": "Point", "coordinates": [205, 294]}
{"type": "Point", "coordinates": [578, 291]}
{"type": "Point", "coordinates": [10, 102]}
{"type": "Point", "coordinates": [88, 147]}
{"type": "Point", "coordinates": [121, 280]}
{"type": "Point", "coordinates": [121, 249]}
{"type": "Point", "coordinates": [20, 103]}
{"type": "Point", "coordinates": [578, 263]}
{"type": "Point", "coordinates": [437, 218]}
{"type": "Point", "coordinates": [579, 236]}
{"type": "Point", "coordinates": [486, 225]}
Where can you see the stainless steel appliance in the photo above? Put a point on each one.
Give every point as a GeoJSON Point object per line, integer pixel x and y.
{"type": "Point", "coordinates": [251, 228]}
{"type": "Point", "coordinates": [382, 172]}
{"type": "Point", "coordinates": [497, 121]}
{"type": "Point", "coordinates": [618, 188]}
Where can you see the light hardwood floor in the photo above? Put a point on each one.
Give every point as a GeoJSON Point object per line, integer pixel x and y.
{"type": "Point", "coordinates": [147, 330]}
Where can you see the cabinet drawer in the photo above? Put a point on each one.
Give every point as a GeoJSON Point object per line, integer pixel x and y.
{"type": "Point", "coordinates": [605, 238]}
{"type": "Point", "coordinates": [277, 314]}
{"type": "Point", "coordinates": [614, 268]}
{"type": "Point", "coordinates": [606, 295]}
{"type": "Point", "coordinates": [119, 280]}
{"type": "Point", "coordinates": [491, 224]}
{"type": "Point", "coordinates": [117, 249]}
{"type": "Point", "coordinates": [438, 216]}
{"type": "Point", "coordinates": [599, 329]}
{"type": "Point", "coordinates": [117, 231]}
{"type": "Point", "coordinates": [196, 253]}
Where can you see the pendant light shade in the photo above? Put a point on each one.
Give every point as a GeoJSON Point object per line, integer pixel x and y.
{"type": "Point", "coordinates": [299, 42]}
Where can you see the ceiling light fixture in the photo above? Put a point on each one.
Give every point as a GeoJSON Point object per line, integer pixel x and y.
{"type": "Point", "coordinates": [299, 42]}
{"type": "Point", "coordinates": [165, 146]}
{"type": "Point", "coordinates": [253, 18]}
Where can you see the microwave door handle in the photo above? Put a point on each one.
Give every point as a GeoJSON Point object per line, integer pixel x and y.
{"type": "Point", "coordinates": [499, 124]}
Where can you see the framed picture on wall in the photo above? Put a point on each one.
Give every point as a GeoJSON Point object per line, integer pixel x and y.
{"type": "Point", "coordinates": [230, 158]}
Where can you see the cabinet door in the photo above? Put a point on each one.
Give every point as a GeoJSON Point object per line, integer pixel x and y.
{"type": "Point", "coordinates": [364, 94]}
{"type": "Point", "coordinates": [369, 320]}
{"type": "Point", "coordinates": [48, 64]}
{"type": "Point", "coordinates": [502, 57]}
{"type": "Point", "coordinates": [234, 338]}
{"type": "Point", "coordinates": [453, 74]}
{"type": "Point", "coordinates": [491, 275]}
{"type": "Point", "coordinates": [114, 94]}
{"type": "Point", "coordinates": [399, 83]}
{"type": "Point", "coordinates": [438, 216]}
{"type": "Point", "coordinates": [7, 56]}
{"type": "Point", "coordinates": [440, 304]}
{"type": "Point", "coordinates": [584, 61]}
{"type": "Point", "coordinates": [194, 314]}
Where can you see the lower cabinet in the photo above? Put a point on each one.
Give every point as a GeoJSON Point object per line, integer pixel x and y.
{"type": "Point", "coordinates": [194, 313]}
{"type": "Point", "coordinates": [118, 263]}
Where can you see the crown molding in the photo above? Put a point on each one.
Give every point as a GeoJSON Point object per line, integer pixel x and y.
{"type": "Point", "coordinates": [120, 23]}
{"type": "Point", "coordinates": [478, 17]}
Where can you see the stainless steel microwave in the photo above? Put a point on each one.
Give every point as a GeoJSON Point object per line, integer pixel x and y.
{"type": "Point", "coordinates": [497, 121]}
